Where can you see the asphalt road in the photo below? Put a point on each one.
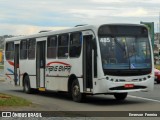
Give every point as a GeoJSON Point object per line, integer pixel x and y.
{"type": "Point", "coordinates": [51, 101]}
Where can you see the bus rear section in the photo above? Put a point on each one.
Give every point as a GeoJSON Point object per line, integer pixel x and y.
{"type": "Point", "coordinates": [11, 62]}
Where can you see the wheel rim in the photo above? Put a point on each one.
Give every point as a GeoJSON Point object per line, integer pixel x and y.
{"type": "Point", "coordinates": [26, 87]}
{"type": "Point", "coordinates": [76, 91]}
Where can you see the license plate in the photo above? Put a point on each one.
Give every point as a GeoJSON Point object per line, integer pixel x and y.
{"type": "Point", "coordinates": [129, 85]}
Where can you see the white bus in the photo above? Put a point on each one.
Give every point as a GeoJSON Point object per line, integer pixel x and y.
{"type": "Point", "coordinates": [107, 59]}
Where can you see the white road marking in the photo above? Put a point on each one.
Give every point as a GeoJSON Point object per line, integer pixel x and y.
{"type": "Point", "coordinates": [144, 98]}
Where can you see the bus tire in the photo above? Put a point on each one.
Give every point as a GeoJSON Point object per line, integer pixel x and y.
{"type": "Point", "coordinates": [26, 86]}
{"type": "Point", "coordinates": [77, 96]}
{"type": "Point", "coordinates": [158, 81]}
{"type": "Point", "coordinates": [120, 96]}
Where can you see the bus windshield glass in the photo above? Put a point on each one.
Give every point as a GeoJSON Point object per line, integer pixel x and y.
{"type": "Point", "coordinates": [124, 48]}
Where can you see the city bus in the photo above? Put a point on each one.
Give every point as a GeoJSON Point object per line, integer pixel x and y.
{"type": "Point", "coordinates": [112, 59]}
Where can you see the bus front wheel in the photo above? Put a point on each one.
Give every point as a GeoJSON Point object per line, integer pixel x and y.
{"type": "Point", "coordinates": [120, 96]}
{"type": "Point", "coordinates": [77, 96]}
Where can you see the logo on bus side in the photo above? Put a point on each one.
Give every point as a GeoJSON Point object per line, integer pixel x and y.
{"type": "Point", "coordinates": [11, 72]}
{"type": "Point", "coordinates": [58, 66]}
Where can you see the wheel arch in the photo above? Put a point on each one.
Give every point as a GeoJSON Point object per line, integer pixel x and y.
{"type": "Point", "coordinates": [71, 78]}
{"type": "Point", "coordinates": [24, 75]}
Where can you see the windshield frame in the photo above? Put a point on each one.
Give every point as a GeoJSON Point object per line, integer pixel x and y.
{"type": "Point", "coordinates": [128, 71]}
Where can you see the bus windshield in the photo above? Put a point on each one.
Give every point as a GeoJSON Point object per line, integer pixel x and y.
{"type": "Point", "coordinates": [125, 50]}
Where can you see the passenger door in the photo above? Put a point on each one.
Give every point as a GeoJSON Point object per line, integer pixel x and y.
{"type": "Point", "coordinates": [16, 65]}
{"type": "Point", "coordinates": [40, 63]}
{"type": "Point", "coordinates": [89, 62]}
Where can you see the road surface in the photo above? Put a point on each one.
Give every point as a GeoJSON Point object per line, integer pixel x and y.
{"type": "Point", "coordinates": [51, 101]}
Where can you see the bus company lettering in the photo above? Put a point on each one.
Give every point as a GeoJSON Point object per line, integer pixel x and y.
{"type": "Point", "coordinates": [58, 66]}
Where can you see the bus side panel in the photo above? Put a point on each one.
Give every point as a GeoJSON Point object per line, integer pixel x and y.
{"type": "Point", "coordinates": [54, 78]}
{"type": "Point", "coordinates": [28, 67]}
{"type": "Point", "coordinates": [51, 78]}
{"type": "Point", "coordinates": [100, 85]}
{"type": "Point", "coordinates": [9, 71]}
{"type": "Point", "coordinates": [33, 81]}
{"type": "Point", "coordinates": [76, 69]}
{"type": "Point", "coordinates": [58, 72]}
{"type": "Point", "coordinates": [49, 83]}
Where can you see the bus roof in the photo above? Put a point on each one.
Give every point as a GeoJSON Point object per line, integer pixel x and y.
{"type": "Point", "coordinates": [49, 33]}
{"type": "Point", "coordinates": [76, 28]}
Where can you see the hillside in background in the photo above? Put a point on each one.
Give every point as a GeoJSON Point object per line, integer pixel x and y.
{"type": "Point", "coordinates": [2, 38]}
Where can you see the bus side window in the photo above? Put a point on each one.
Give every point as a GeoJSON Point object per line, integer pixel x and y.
{"type": "Point", "coordinates": [52, 47]}
{"type": "Point", "coordinates": [63, 46]}
{"type": "Point", "coordinates": [23, 49]}
{"type": "Point", "coordinates": [31, 48]}
{"type": "Point", "coordinates": [75, 44]}
{"type": "Point", "coordinates": [9, 51]}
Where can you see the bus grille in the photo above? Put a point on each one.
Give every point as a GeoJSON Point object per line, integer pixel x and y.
{"type": "Point", "coordinates": [123, 88]}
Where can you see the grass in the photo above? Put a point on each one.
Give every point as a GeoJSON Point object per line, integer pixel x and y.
{"type": "Point", "coordinates": [1, 67]}
{"type": "Point", "coordinates": [9, 100]}
{"type": "Point", "coordinates": [157, 66]}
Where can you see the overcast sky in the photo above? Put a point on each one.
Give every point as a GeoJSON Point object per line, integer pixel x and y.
{"type": "Point", "coordinates": [22, 17]}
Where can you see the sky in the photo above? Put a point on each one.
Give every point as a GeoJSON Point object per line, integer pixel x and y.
{"type": "Point", "coordinates": [24, 17]}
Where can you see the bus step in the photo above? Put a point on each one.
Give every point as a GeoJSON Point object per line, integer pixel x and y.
{"type": "Point", "coordinates": [41, 89]}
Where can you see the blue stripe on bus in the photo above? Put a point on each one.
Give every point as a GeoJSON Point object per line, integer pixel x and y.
{"type": "Point", "coordinates": [10, 70]}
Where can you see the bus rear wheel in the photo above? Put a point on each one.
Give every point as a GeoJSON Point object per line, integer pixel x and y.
{"type": "Point", "coordinates": [26, 85]}
{"type": "Point", "coordinates": [77, 96]}
{"type": "Point", "coordinates": [120, 96]}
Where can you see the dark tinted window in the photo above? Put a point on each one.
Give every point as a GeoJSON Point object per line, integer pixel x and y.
{"type": "Point", "coordinates": [52, 47]}
{"type": "Point", "coordinates": [31, 48]}
{"type": "Point", "coordinates": [63, 45]}
{"type": "Point", "coordinates": [23, 49]}
{"type": "Point", "coordinates": [122, 30]}
{"type": "Point", "coordinates": [75, 44]}
{"type": "Point", "coordinates": [9, 51]}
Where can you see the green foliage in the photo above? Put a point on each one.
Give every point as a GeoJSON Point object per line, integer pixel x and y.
{"type": "Point", "coordinates": [157, 67]}
{"type": "Point", "coordinates": [9, 100]}
{"type": "Point", "coordinates": [1, 66]}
